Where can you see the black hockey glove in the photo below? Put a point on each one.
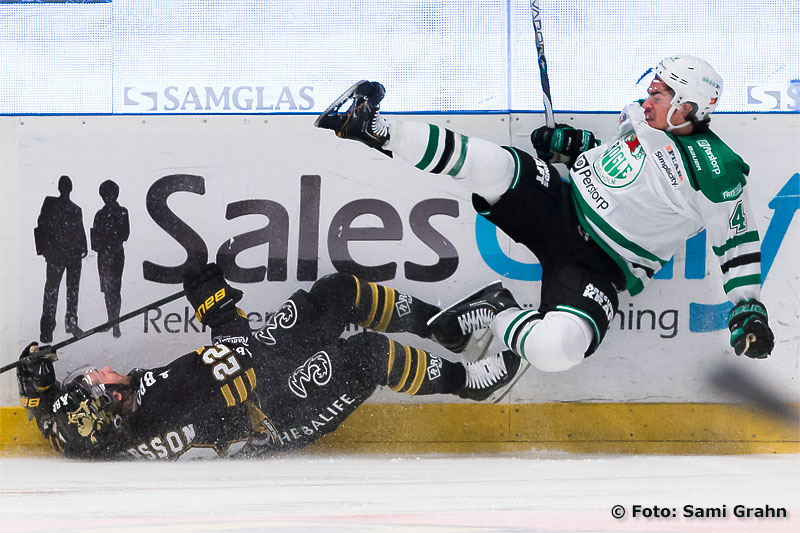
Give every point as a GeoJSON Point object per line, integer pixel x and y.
{"type": "Point", "coordinates": [562, 144]}
{"type": "Point", "coordinates": [750, 332]}
{"type": "Point", "coordinates": [214, 301]}
{"type": "Point", "coordinates": [36, 376]}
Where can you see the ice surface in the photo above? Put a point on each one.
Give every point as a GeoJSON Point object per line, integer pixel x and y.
{"type": "Point", "coordinates": [439, 493]}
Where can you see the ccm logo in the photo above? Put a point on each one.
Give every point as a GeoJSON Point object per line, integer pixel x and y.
{"type": "Point", "coordinates": [209, 303]}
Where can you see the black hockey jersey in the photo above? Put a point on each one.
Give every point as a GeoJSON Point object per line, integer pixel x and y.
{"type": "Point", "coordinates": [201, 400]}
{"type": "Point", "coordinates": [278, 389]}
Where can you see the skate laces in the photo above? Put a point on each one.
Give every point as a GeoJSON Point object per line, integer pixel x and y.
{"type": "Point", "coordinates": [380, 126]}
{"type": "Point", "coordinates": [486, 372]}
{"type": "Point", "coordinates": [475, 319]}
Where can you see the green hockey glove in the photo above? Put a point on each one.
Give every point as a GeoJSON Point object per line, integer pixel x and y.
{"type": "Point", "coordinates": [562, 144]}
{"type": "Point", "coordinates": [750, 331]}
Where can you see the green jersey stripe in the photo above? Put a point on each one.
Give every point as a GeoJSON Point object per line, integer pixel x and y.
{"type": "Point", "coordinates": [752, 279]}
{"type": "Point", "coordinates": [733, 242]}
{"type": "Point", "coordinates": [633, 284]}
{"type": "Point", "coordinates": [613, 234]}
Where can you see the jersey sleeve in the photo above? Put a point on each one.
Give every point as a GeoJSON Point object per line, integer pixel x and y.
{"type": "Point", "coordinates": [719, 177]}
{"type": "Point", "coordinates": [736, 244]}
{"type": "Point", "coordinates": [235, 326]}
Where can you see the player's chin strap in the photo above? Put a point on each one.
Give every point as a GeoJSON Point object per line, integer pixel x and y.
{"type": "Point", "coordinates": [671, 126]}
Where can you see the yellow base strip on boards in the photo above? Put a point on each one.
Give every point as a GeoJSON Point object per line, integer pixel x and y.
{"type": "Point", "coordinates": [629, 428]}
{"type": "Point", "coordinates": [20, 436]}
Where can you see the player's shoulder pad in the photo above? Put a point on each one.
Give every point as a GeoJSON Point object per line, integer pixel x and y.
{"type": "Point", "coordinates": [717, 171]}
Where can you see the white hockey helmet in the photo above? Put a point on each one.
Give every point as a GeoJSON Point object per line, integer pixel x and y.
{"type": "Point", "coordinates": [693, 80]}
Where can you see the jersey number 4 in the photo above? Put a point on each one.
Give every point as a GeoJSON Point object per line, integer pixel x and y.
{"type": "Point", "coordinates": [738, 219]}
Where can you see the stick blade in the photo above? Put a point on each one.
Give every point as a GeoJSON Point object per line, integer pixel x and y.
{"type": "Point", "coordinates": [744, 388]}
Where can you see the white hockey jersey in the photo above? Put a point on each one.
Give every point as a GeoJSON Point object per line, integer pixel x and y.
{"type": "Point", "coordinates": [643, 194]}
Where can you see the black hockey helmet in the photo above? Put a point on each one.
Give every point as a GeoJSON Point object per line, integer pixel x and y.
{"type": "Point", "coordinates": [84, 424]}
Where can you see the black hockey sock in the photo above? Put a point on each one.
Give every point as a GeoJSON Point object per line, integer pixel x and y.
{"type": "Point", "coordinates": [384, 309]}
{"type": "Point", "coordinates": [416, 372]}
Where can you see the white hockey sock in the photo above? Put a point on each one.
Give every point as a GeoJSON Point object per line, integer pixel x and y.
{"type": "Point", "coordinates": [513, 325]}
{"type": "Point", "coordinates": [485, 168]}
{"type": "Point", "coordinates": [408, 139]}
{"type": "Point", "coordinates": [553, 343]}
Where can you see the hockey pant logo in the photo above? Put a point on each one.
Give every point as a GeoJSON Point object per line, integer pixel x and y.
{"type": "Point", "coordinates": [403, 304]}
{"type": "Point", "coordinates": [599, 296]}
{"type": "Point", "coordinates": [284, 318]}
{"type": "Point", "coordinates": [542, 173]}
{"type": "Point", "coordinates": [317, 369]}
{"type": "Point", "coordinates": [434, 368]}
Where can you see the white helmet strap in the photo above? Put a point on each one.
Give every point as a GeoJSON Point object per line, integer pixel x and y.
{"type": "Point", "coordinates": [670, 125]}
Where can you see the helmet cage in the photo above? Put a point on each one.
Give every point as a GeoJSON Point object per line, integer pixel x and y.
{"type": "Point", "coordinates": [83, 419]}
{"type": "Point", "coordinates": [80, 377]}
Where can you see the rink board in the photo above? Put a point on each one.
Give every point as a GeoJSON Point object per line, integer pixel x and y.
{"type": "Point", "coordinates": [279, 204]}
{"type": "Point", "coordinates": [646, 390]}
{"type": "Point", "coordinates": [645, 428]}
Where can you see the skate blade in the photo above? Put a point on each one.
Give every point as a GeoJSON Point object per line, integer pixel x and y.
{"type": "Point", "coordinates": [336, 104]}
{"type": "Point", "coordinates": [487, 288]}
{"type": "Point", "coordinates": [478, 345]}
{"type": "Point", "coordinates": [501, 393]}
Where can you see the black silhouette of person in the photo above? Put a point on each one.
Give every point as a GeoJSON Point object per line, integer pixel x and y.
{"type": "Point", "coordinates": [61, 239]}
{"type": "Point", "coordinates": [111, 228]}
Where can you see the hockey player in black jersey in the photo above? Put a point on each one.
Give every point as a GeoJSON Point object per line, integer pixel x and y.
{"type": "Point", "coordinates": [287, 385]}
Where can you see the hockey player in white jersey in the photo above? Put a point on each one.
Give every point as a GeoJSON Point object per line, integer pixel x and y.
{"type": "Point", "coordinates": [628, 205]}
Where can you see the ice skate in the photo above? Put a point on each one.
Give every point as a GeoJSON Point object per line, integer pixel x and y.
{"type": "Point", "coordinates": [491, 377]}
{"type": "Point", "coordinates": [501, 391]}
{"type": "Point", "coordinates": [361, 121]}
{"type": "Point", "coordinates": [453, 327]}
